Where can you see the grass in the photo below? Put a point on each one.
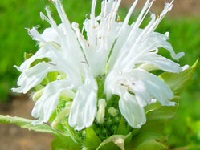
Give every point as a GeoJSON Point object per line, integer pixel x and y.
{"type": "Point", "coordinates": [15, 15]}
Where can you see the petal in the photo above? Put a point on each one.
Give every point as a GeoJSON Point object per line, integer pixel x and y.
{"type": "Point", "coordinates": [47, 103]}
{"type": "Point", "coordinates": [131, 110]}
{"type": "Point", "coordinates": [147, 86]}
{"type": "Point", "coordinates": [83, 109]}
{"type": "Point", "coordinates": [101, 32]}
{"type": "Point", "coordinates": [150, 42]}
{"type": "Point", "coordinates": [33, 76]}
{"type": "Point", "coordinates": [144, 85]}
{"type": "Point", "coordinates": [159, 62]}
{"type": "Point", "coordinates": [40, 54]}
{"type": "Point", "coordinates": [50, 35]}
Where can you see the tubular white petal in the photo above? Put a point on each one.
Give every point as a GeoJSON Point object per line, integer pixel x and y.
{"type": "Point", "coordinates": [33, 76]}
{"type": "Point", "coordinates": [47, 103]}
{"type": "Point", "coordinates": [127, 18]}
{"type": "Point", "coordinates": [159, 62]}
{"type": "Point", "coordinates": [124, 48]}
{"type": "Point", "coordinates": [50, 35]}
{"type": "Point", "coordinates": [132, 112]}
{"type": "Point", "coordinates": [71, 41]}
{"type": "Point", "coordinates": [152, 88]}
{"type": "Point", "coordinates": [43, 52]}
{"type": "Point", "coordinates": [92, 16]}
{"type": "Point", "coordinates": [83, 109]}
{"type": "Point", "coordinates": [101, 35]}
{"type": "Point", "coordinates": [144, 85]}
{"type": "Point", "coordinates": [51, 21]}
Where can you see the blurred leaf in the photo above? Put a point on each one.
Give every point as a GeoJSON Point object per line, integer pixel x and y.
{"type": "Point", "coordinates": [149, 137]}
{"type": "Point", "coordinates": [151, 144]}
{"type": "Point", "coordinates": [60, 141]}
{"type": "Point", "coordinates": [178, 81]}
{"type": "Point", "coordinates": [152, 107]}
{"type": "Point", "coordinates": [71, 132]}
{"type": "Point", "coordinates": [148, 140]}
{"type": "Point", "coordinates": [64, 143]}
{"type": "Point", "coordinates": [163, 113]}
{"type": "Point", "coordinates": [91, 141]}
{"type": "Point", "coordinates": [122, 129]}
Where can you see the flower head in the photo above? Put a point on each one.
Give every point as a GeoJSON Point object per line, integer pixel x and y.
{"type": "Point", "coordinates": [109, 57]}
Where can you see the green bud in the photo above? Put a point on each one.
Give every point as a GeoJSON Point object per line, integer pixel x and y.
{"type": "Point", "coordinates": [67, 95]}
{"type": "Point", "coordinates": [112, 111]}
{"type": "Point", "coordinates": [61, 76]}
{"type": "Point", "coordinates": [52, 76]}
{"type": "Point", "coordinates": [37, 95]}
{"type": "Point", "coordinates": [39, 87]}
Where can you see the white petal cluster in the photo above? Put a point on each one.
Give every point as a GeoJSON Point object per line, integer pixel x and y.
{"type": "Point", "coordinates": [121, 51]}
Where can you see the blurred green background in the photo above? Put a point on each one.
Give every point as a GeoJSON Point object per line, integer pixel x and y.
{"type": "Point", "coordinates": [16, 15]}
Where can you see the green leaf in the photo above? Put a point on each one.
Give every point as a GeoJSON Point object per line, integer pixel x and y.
{"type": "Point", "coordinates": [153, 106]}
{"type": "Point", "coordinates": [71, 132]}
{"type": "Point", "coordinates": [163, 113]}
{"type": "Point", "coordinates": [151, 145]}
{"type": "Point", "coordinates": [148, 139]}
{"type": "Point", "coordinates": [25, 123]}
{"type": "Point", "coordinates": [64, 143]}
{"type": "Point", "coordinates": [91, 141]}
{"type": "Point", "coordinates": [151, 135]}
{"type": "Point", "coordinates": [60, 141]}
{"type": "Point", "coordinates": [177, 81]}
{"type": "Point", "coordinates": [122, 129]}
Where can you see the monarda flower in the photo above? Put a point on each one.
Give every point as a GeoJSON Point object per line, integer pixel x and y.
{"type": "Point", "coordinates": [101, 73]}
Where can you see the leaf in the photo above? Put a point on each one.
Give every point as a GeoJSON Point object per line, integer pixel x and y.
{"type": "Point", "coordinates": [91, 141]}
{"type": "Point", "coordinates": [122, 129]}
{"type": "Point", "coordinates": [151, 145]}
{"type": "Point", "coordinates": [60, 141]}
{"type": "Point", "coordinates": [25, 123]}
{"type": "Point", "coordinates": [163, 113]}
{"type": "Point", "coordinates": [148, 139]}
{"type": "Point", "coordinates": [153, 106]}
{"type": "Point", "coordinates": [64, 143]}
{"type": "Point", "coordinates": [178, 81]}
{"type": "Point", "coordinates": [71, 132]}
{"type": "Point", "coordinates": [151, 135]}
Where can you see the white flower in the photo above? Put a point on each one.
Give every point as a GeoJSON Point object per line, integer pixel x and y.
{"type": "Point", "coordinates": [121, 51]}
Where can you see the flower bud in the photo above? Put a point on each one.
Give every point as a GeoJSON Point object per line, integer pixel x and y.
{"type": "Point", "coordinates": [101, 112]}
{"type": "Point", "coordinates": [37, 95]}
{"type": "Point", "coordinates": [112, 111]}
